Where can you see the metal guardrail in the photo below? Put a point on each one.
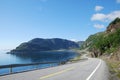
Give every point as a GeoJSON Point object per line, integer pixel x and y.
{"type": "Point", "coordinates": [11, 66]}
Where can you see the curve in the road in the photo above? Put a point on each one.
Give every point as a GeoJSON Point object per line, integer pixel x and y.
{"type": "Point", "coordinates": [94, 71]}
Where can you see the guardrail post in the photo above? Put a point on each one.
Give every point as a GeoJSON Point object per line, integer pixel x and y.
{"type": "Point", "coordinates": [60, 63]}
{"type": "Point", "coordinates": [10, 71]}
{"type": "Point", "coordinates": [37, 66]}
{"type": "Point", "coordinates": [51, 65]}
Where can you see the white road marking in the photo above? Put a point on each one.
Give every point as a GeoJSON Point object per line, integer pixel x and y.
{"type": "Point", "coordinates": [94, 71]}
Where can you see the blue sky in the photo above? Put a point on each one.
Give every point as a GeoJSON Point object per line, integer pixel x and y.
{"type": "Point", "coordinates": [23, 20]}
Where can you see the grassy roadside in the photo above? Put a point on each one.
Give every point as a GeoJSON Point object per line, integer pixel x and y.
{"type": "Point", "coordinates": [80, 55]}
{"type": "Point", "coordinates": [114, 67]}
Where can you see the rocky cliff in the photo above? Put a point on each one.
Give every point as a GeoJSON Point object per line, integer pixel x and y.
{"type": "Point", "coordinates": [113, 26]}
{"type": "Point", "coordinates": [107, 42]}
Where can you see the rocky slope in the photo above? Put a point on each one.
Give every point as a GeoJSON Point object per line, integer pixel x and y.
{"type": "Point", "coordinates": [39, 44]}
{"type": "Point", "coordinates": [105, 42]}
{"type": "Point", "coordinates": [113, 26]}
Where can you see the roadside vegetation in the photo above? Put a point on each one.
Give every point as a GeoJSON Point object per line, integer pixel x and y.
{"type": "Point", "coordinates": [106, 45]}
{"type": "Point", "coordinates": [114, 68]}
{"type": "Point", "coordinates": [79, 55]}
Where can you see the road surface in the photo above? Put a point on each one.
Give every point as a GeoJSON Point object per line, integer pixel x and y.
{"type": "Point", "coordinates": [90, 69]}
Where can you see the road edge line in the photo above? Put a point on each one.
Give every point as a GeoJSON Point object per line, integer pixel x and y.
{"type": "Point", "coordinates": [94, 71]}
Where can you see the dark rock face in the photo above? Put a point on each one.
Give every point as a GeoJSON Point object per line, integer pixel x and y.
{"type": "Point", "coordinates": [114, 25]}
{"type": "Point", "coordinates": [39, 44]}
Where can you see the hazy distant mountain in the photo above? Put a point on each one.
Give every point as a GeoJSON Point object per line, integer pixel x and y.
{"type": "Point", "coordinates": [80, 43]}
{"type": "Point", "coordinates": [39, 44]}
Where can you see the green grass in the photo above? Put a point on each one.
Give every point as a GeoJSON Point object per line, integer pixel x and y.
{"type": "Point", "coordinates": [114, 67]}
{"type": "Point", "coordinates": [77, 58]}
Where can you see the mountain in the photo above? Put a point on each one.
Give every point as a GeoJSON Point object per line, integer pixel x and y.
{"type": "Point", "coordinates": [90, 40]}
{"type": "Point", "coordinates": [39, 44]}
{"type": "Point", "coordinates": [113, 26]}
{"type": "Point", "coordinates": [80, 43]}
{"type": "Point", "coordinates": [107, 42]}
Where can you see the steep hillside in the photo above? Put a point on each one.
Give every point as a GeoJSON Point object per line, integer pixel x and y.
{"type": "Point", "coordinates": [39, 44]}
{"type": "Point", "coordinates": [113, 26]}
{"type": "Point", "coordinates": [90, 41]}
{"type": "Point", "coordinates": [106, 45]}
{"type": "Point", "coordinates": [105, 42]}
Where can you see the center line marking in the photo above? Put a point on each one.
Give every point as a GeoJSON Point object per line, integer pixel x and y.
{"type": "Point", "coordinates": [94, 71]}
{"type": "Point", "coordinates": [57, 73]}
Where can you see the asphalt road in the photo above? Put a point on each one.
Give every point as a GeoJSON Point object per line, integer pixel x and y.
{"type": "Point", "coordinates": [90, 69]}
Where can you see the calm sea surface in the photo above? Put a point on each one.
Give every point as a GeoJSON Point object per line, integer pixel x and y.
{"type": "Point", "coordinates": [58, 56]}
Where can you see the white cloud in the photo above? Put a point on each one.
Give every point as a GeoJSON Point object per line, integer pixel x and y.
{"type": "Point", "coordinates": [118, 1]}
{"type": "Point", "coordinates": [98, 16]}
{"type": "Point", "coordinates": [105, 17]}
{"type": "Point", "coordinates": [98, 8]}
{"type": "Point", "coordinates": [113, 15]}
{"type": "Point", "coordinates": [99, 26]}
